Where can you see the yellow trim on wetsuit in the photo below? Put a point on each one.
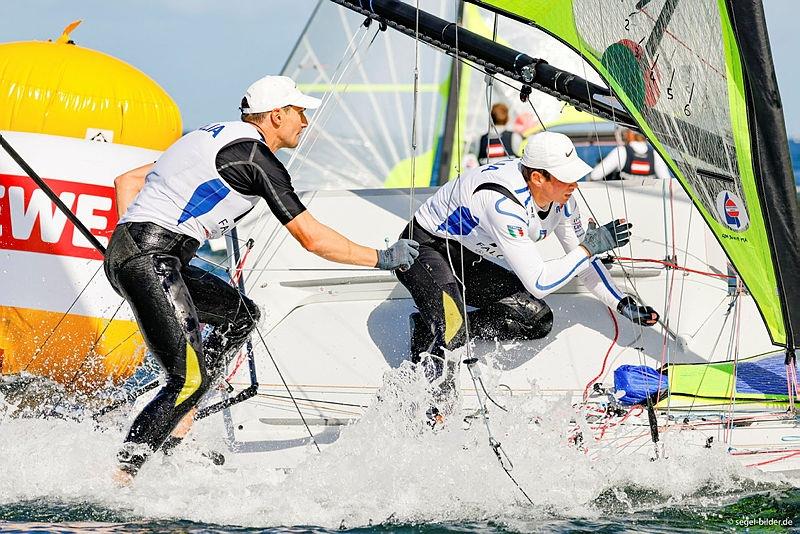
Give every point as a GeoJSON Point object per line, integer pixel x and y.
{"type": "Point", "coordinates": [452, 317]}
{"type": "Point", "coordinates": [193, 379]}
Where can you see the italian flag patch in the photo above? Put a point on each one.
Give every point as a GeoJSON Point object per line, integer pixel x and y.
{"type": "Point", "coordinates": [516, 231]}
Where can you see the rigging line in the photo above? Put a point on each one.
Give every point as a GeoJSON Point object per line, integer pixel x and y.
{"type": "Point", "coordinates": [118, 345]}
{"type": "Point", "coordinates": [333, 79]}
{"type": "Point", "coordinates": [378, 116]}
{"type": "Point", "coordinates": [480, 381]}
{"type": "Point", "coordinates": [316, 401]}
{"type": "Point", "coordinates": [217, 266]}
{"type": "Point", "coordinates": [317, 127]}
{"type": "Point", "coordinates": [683, 284]}
{"type": "Point", "coordinates": [27, 169]}
{"type": "Point", "coordinates": [493, 443]}
{"type": "Point", "coordinates": [605, 358]}
{"type": "Point", "coordinates": [96, 341]}
{"type": "Point", "coordinates": [489, 93]}
{"type": "Point", "coordinates": [316, 124]}
{"type": "Point", "coordinates": [736, 344]}
{"type": "Point", "coordinates": [669, 288]}
{"type": "Point", "coordinates": [414, 114]}
{"type": "Point", "coordinates": [535, 112]}
{"type": "Point", "coordinates": [457, 76]}
{"type": "Point", "coordinates": [280, 374]}
{"type": "Point", "coordinates": [40, 348]}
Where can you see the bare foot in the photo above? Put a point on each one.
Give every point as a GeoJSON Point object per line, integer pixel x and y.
{"type": "Point", "coordinates": [122, 479]}
{"type": "Point", "coordinates": [185, 424]}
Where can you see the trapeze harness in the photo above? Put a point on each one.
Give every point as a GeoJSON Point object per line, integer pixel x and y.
{"type": "Point", "coordinates": [199, 188]}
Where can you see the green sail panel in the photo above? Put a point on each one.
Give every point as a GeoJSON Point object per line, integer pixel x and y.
{"type": "Point", "coordinates": [676, 66]}
{"type": "Point", "coordinates": [750, 381]}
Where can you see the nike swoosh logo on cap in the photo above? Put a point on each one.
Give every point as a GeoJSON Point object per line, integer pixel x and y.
{"type": "Point", "coordinates": [570, 152]}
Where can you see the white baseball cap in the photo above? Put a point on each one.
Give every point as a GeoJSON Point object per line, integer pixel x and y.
{"type": "Point", "coordinates": [273, 92]}
{"type": "Point", "coordinates": [555, 153]}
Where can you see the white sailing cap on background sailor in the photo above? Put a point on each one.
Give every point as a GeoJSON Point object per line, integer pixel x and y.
{"type": "Point", "coordinates": [273, 92]}
{"type": "Point", "coordinates": [555, 153]}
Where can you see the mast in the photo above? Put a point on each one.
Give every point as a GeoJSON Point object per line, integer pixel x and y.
{"type": "Point", "coordinates": [444, 152]}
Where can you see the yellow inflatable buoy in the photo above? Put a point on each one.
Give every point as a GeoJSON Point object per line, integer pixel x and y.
{"type": "Point", "coordinates": [60, 88]}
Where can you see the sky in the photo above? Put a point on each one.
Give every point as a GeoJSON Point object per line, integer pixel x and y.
{"type": "Point", "coordinates": [205, 53]}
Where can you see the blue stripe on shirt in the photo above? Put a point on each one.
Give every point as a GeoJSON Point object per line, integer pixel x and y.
{"type": "Point", "coordinates": [498, 210]}
{"type": "Point", "coordinates": [599, 270]}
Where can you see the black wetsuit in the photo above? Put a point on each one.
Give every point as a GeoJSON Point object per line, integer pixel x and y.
{"type": "Point", "coordinates": [506, 309]}
{"type": "Point", "coordinates": [149, 266]}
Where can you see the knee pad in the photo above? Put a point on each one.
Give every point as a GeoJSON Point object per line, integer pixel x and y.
{"type": "Point", "coordinates": [519, 316]}
{"type": "Point", "coordinates": [253, 313]}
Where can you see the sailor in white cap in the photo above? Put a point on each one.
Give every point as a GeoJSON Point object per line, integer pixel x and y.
{"type": "Point", "coordinates": [488, 222]}
{"type": "Point", "coordinates": [199, 189]}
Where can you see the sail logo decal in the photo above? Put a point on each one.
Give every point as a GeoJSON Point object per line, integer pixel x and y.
{"type": "Point", "coordinates": [731, 210]}
{"type": "Point", "coordinates": [30, 222]}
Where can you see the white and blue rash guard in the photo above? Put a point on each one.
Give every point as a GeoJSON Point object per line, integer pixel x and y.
{"type": "Point", "coordinates": [498, 229]}
{"type": "Point", "coordinates": [209, 179]}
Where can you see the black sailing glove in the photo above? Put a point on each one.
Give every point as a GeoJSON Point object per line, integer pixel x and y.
{"type": "Point", "coordinates": [609, 236]}
{"type": "Point", "coordinates": [643, 315]}
{"type": "Point", "coordinates": [401, 255]}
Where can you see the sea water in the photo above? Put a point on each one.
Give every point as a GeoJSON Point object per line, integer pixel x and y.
{"type": "Point", "coordinates": [390, 472]}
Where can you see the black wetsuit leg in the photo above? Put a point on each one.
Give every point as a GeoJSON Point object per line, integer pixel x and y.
{"type": "Point", "coordinates": [148, 265]}
{"type": "Point", "coordinates": [506, 309]}
{"type": "Point", "coordinates": [233, 316]}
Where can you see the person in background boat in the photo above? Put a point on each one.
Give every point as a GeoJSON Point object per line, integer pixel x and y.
{"type": "Point", "coordinates": [199, 188]}
{"type": "Point", "coordinates": [635, 159]}
{"type": "Point", "coordinates": [488, 222]}
{"type": "Point", "coordinates": [500, 142]}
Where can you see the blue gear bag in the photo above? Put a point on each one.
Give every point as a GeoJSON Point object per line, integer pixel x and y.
{"type": "Point", "coordinates": [638, 382]}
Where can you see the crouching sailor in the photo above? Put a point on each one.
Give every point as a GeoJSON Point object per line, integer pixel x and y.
{"type": "Point", "coordinates": [198, 189]}
{"type": "Point", "coordinates": [498, 212]}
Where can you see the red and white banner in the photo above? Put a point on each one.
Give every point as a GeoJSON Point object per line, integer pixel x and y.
{"type": "Point", "coordinates": [30, 222]}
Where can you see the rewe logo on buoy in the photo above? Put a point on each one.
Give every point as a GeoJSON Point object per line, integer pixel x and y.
{"type": "Point", "coordinates": [29, 222]}
{"type": "Point", "coordinates": [731, 210]}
